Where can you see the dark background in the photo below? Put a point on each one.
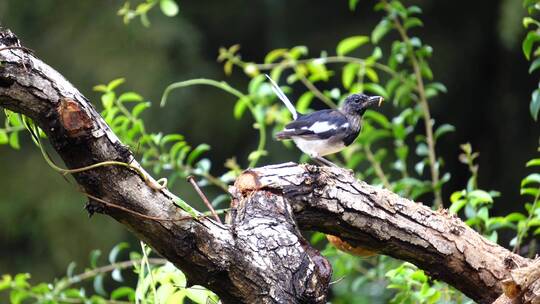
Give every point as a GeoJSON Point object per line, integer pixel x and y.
{"type": "Point", "coordinates": [477, 55]}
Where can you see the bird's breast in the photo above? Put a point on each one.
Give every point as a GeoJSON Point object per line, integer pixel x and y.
{"type": "Point", "coordinates": [318, 147]}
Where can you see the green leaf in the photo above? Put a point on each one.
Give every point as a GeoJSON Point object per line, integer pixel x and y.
{"type": "Point", "coordinates": [257, 154]}
{"type": "Point", "coordinates": [349, 44]}
{"type": "Point", "coordinates": [379, 118]}
{"type": "Point", "coordinates": [130, 96]}
{"type": "Point", "coordinates": [528, 21]}
{"type": "Point", "coordinates": [443, 129]}
{"type": "Point", "coordinates": [377, 89]}
{"type": "Point", "coordinates": [534, 106]}
{"type": "Point", "coordinates": [14, 140]}
{"type": "Point", "coordinates": [515, 217]}
{"type": "Point", "coordinates": [170, 138]}
{"type": "Point", "coordinates": [528, 43]}
{"type": "Point", "coordinates": [137, 110]}
{"type": "Point", "coordinates": [115, 83]}
{"type": "Point", "coordinates": [456, 196]}
{"type": "Point", "coordinates": [372, 74]}
{"type": "Point", "coordinates": [123, 292]}
{"type": "Point", "coordinates": [107, 99]}
{"type": "Point", "coordinates": [426, 70]}
{"type": "Point", "coordinates": [71, 269]}
{"type": "Point", "coordinates": [4, 139]}
{"type": "Point", "coordinates": [196, 153]}
{"type": "Point", "coordinates": [304, 101]}
{"type": "Point", "coordinates": [117, 275]}
{"type": "Point", "coordinates": [352, 4]}
{"type": "Point", "coordinates": [350, 71]}
{"type": "Point", "coordinates": [529, 191]}
{"type": "Point", "coordinates": [100, 88]}
{"type": "Point", "coordinates": [169, 7]}
{"type": "Point", "coordinates": [198, 294]}
{"type": "Point", "coordinates": [94, 256]}
{"type": "Point", "coordinates": [531, 178]}
{"type": "Point", "coordinates": [297, 51]}
{"type": "Point", "coordinates": [380, 30]}
{"type": "Point", "coordinates": [98, 284]}
{"type": "Point", "coordinates": [480, 196]}
{"type": "Point", "coordinates": [18, 296]}
{"type": "Point", "coordinates": [274, 55]}
{"type": "Point", "coordinates": [533, 162]}
{"type": "Point", "coordinates": [5, 282]}
{"type": "Point", "coordinates": [412, 22]}
{"type": "Point", "coordinates": [457, 206]}
{"type": "Point", "coordinates": [116, 250]}
{"type": "Point", "coordinates": [534, 65]}
{"type": "Point", "coordinates": [240, 106]}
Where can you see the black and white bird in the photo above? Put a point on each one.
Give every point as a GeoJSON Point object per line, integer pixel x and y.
{"type": "Point", "coordinates": [326, 131]}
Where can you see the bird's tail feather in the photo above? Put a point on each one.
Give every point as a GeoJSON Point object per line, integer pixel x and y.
{"type": "Point", "coordinates": [283, 97]}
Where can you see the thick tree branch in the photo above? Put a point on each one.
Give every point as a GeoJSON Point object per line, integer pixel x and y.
{"type": "Point", "coordinates": [259, 256]}
{"type": "Point", "coordinates": [331, 200]}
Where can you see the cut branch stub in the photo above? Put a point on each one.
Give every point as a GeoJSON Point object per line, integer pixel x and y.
{"type": "Point", "coordinates": [274, 254]}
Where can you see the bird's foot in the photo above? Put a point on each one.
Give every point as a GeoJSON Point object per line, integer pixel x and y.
{"type": "Point", "coordinates": [324, 162]}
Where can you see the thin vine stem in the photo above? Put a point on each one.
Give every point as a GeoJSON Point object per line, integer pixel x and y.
{"type": "Point", "coordinates": [377, 167]}
{"type": "Point", "coordinates": [521, 233]}
{"type": "Point", "coordinates": [438, 203]}
{"type": "Point", "coordinates": [316, 91]}
{"type": "Point", "coordinates": [260, 125]}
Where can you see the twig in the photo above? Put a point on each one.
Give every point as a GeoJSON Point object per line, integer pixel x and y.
{"type": "Point", "coordinates": [120, 265]}
{"type": "Point", "coordinates": [315, 91]}
{"type": "Point", "coordinates": [260, 125]}
{"type": "Point", "coordinates": [377, 167]}
{"type": "Point", "coordinates": [426, 113]}
{"type": "Point", "coordinates": [112, 205]}
{"type": "Point", "coordinates": [193, 182]}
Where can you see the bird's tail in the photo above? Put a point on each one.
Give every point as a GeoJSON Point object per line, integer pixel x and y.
{"type": "Point", "coordinates": [282, 97]}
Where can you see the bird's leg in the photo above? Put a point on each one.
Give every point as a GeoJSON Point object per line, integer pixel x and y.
{"type": "Point", "coordinates": [324, 162]}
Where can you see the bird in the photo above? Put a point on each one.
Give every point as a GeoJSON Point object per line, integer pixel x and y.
{"type": "Point", "coordinates": [326, 131]}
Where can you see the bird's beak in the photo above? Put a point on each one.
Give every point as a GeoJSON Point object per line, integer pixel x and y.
{"type": "Point", "coordinates": [375, 100]}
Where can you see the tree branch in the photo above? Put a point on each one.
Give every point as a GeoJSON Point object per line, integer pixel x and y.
{"type": "Point", "coordinates": [259, 256]}
{"type": "Point", "coordinates": [332, 201]}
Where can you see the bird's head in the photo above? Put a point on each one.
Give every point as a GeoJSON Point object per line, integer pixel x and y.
{"type": "Point", "coordinates": [357, 104]}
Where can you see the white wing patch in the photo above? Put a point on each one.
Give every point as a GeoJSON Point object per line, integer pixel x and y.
{"type": "Point", "coordinates": [321, 127]}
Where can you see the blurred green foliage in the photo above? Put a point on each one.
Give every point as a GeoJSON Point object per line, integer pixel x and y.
{"type": "Point", "coordinates": [397, 150]}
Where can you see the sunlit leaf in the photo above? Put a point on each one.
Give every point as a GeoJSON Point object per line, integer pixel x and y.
{"type": "Point", "coordinates": [350, 71]}
{"type": "Point", "coordinates": [98, 284]}
{"type": "Point", "coordinates": [382, 28]}
{"type": "Point", "coordinates": [200, 149]}
{"type": "Point", "coordinates": [349, 44]}
{"type": "Point", "coordinates": [534, 106]}
{"type": "Point", "coordinates": [274, 55]}
{"type": "Point", "coordinates": [168, 7]}
{"type": "Point", "coordinates": [113, 255]}
{"type": "Point", "coordinates": [376, 89]}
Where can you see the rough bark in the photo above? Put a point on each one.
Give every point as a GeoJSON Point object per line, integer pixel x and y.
{"type": "Point", "coordinates": [259, 256]}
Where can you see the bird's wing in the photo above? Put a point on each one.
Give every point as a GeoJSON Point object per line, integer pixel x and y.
{"type": "Point", "coordinates": [320, 124]}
